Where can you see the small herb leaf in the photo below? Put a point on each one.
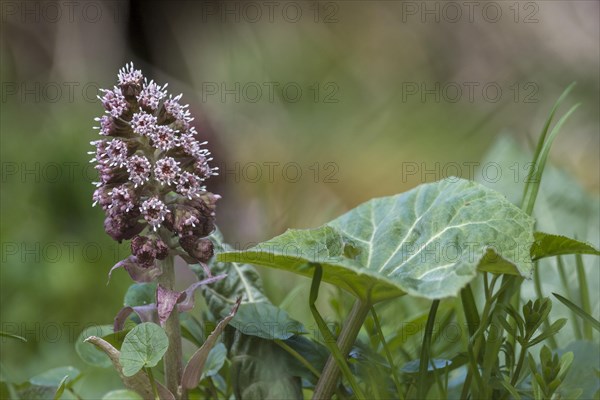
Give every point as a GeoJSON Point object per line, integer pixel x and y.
{"type": "Point", "coordinates": [547, 245]}
{"type": "Point", "coordinates": [143, 347]}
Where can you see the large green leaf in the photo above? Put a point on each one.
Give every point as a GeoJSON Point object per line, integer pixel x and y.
{"type": "Point", "coordinates": [265, 321]}
{"type": "Point", "coordinates": [426, 242]}
{"type": "Point", "coordinates": [547, 245]}
{"type": "Point", "coordinates": [143, 347]}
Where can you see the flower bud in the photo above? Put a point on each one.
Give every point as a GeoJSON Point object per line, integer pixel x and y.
{"type": "Point", "coordinates": [146, 250]}
{"type": "Point", "coordinates": [200, 249]}
{"type": "Point", "coordinates": [198, 221]}
{"type": "Point", "coordinates": [122, 226]}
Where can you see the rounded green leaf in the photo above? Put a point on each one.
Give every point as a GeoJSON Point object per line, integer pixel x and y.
{"type": "Point", "coordinates": [139, 294]}
{"type": "Point", "coordinates": [88, 352]}
{"type": "Point", "coordinates": [55, 376]}
{"type": "Point", "coordinates": [427, 242]}
{"type": "Point", "coordinates": [122, 395]}
{"type": "Point", "coordinates": [143, 347]}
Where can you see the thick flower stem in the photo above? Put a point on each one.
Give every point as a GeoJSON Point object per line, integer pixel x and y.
{"type": "Point", "coordinates": [330, 376]}
{"type": "Point", "coordinates": [173, 357]}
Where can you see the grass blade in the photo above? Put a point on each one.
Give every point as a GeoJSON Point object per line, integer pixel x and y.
{"type": "Point", "coordinates": [540, 164]}
{"type": "Point", "coordinates": [585, 295]}
{"type": "Point", "coordinates": [593, 322]}
{"type": "Point", "coordinates": [426, 351]}
{"type": "Point", "coordinates": [388, 354]}
{"type": "Point", "coordinates": [542, 139]}
{"type": "Point", "coordinates": [10, 335]}
{"type": "Point", "coordinates": [471, 313]}
{"type": "Point", "coordinates": [329, 340]}
{"type": "Point", "coordinates": [537, 283]}
{"type": "Point", "coordinates": [565, 282]}
{"type": "Point", "coordinates": [61, 388]}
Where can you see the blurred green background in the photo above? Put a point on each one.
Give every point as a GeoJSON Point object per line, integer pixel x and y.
{"type": "Point", "coordinates": [310, 108]}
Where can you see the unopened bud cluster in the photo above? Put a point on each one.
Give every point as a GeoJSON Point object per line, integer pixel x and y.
{"type": "Point", "coordinates": [152, 168]}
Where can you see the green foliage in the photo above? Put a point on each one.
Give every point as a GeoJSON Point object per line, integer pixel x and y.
{"type": "Point", "coordinates": [140, 294]}
{"type": "Point", "coordinates": [143, 347]}
{"type": "Point", "coordinates": [61, 388]}
{"type": "Point", "coordinates": [55, 376]}
{"type": "Point", "coordinates": [430, 243]}
{"type": "Point", "coordinates": [266, 321]}
{"type": "Point", "coordinates": [215, 360]}
{"type": "Point", "coordinates": [259, 365]}
{"type": "Point", "coordinates": [193, 370]}
{"type": "Point", "coordinates": [260, 371]}
{"type": "Point", "coordinates": [12, 336]}
{"type": "Point", "coordinates": [121, 395]}
{"type": "Point", "coordinates": [426, 242]}
{"type": "Point", "coordinates": [242, 281]}
{"type": "Point", "coordinates": [87, 351]}
{"type": "Point", "coordinates": [550, 374]}
{"type": "Point", "coordinates": [56, 383]}
{"type": "Point", "coordinates": [547, 245]}
{"type": "Point", "coordinates": [582, 379]}
{"type": "Point", "coordinates": [579, 311]}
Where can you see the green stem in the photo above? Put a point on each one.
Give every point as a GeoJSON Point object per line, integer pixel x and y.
{"type": "Point", "coordinates": [494, 342]}
{"type": "Point", "coordinates": [470, 308]}
{"type": "Point", "coordinates": [328, 381]}
{"type": "Point", "coordinates": [537, 281]}
{"type": "Point", "coordinates": [565, 283]}
{"type": "Point", "coordinates": [298, 357]}
{"type": "Point", "coordinates": [477, 340]}
{"type": "Point", "coordinates": [152, 383]}
{"type": "Point", "coordinates": [585, 296]}
{"type": "Point", "coordinates": [426, 351]}
{"type": "Point", "coordinates": [520, 363]}
{"type": "Point", "coordinates": [387, 351]}
{"type": "Point", "coordinates": [173, 357]}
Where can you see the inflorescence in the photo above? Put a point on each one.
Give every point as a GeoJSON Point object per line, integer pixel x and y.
{"type": "Point", "coordinates": [152, 170]}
